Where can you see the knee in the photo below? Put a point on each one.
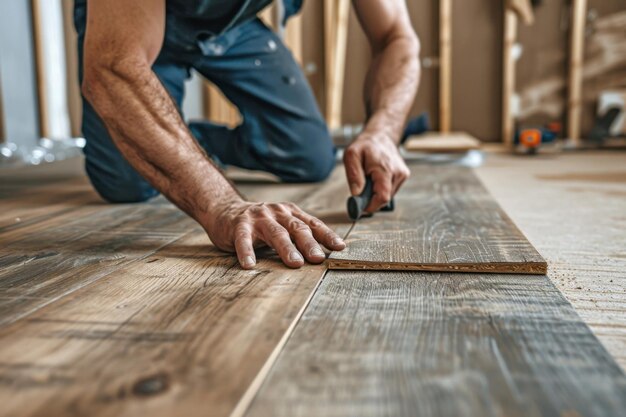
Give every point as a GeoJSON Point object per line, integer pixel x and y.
{"type": "Point", "coordinates": [317, 169]}
{"type": "Point", "coordinates": [125, 194]}
{"type": "Point", "coordinates": [120, 190]}
{"type": "Point", "coordinates": [315, 165]}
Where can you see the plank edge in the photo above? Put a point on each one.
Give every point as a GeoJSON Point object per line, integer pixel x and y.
{"type": "Point", "coordinates": [529, 268]}
{"type": "Point", "coordinates": [253, 389]}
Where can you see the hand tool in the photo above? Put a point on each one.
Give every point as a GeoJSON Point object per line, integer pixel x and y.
{"type": "Point", "coordinates": [356, 204]}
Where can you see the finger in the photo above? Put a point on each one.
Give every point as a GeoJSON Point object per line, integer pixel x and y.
{"type": "Point", "coordinates": [303, 236]}
{"type": "Point", "coordinates": [244, 246]}
{"type": "Point", "coordinates": [354, 170]}
{"type": "Point", "coordinates": [277, 237]}
{"type": "Point", "coordinates": [398, 180]}
{"type": "Point", "coordinates": [381, 188]}
{"type": "Point", "coordinates": [322, 233]}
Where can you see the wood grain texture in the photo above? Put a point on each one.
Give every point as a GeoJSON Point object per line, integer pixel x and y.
{"type": "Point", "coordinates": [572, 210]}
{"type": "Point", "coordinates": [412, 343]}
{"type": "Point", "coordinates": [179, 330]}
{"type": "Point", "coordinates": [444, 220]}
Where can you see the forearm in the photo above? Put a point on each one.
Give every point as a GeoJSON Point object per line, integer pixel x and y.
{"type": "Point", "coordinates": [391, 85]}
{"type": "Point", "coordinates": [145, 125]}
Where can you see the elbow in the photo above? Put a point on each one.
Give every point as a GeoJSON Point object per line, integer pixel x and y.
{"type": "Point", "coordinates": [102, 76]}
{"type": "Point", "coordinates": [91, 84]}
{"type": "Point", "coordinates": [413, 43]}
{"type": "Point", "coordinates": [97, 82]}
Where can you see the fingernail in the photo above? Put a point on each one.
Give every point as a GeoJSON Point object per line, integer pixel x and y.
{"type": "Point", "coordinates": [295, 256]}
{"type": "Point", "coordinates": [316, 252]}
{"type": "Point", "coordinates": [248, 262]}
{"type": "Point", "coordinates": [338, 242]}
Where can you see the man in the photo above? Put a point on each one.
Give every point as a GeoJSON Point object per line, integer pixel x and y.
{"type": "Point", "coordinates": [135, 56]}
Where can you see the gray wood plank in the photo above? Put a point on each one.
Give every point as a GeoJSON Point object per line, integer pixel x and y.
{"type": "Point", "coordinates": [430, 344]}
{"type": "Point", "coordinates": [444, 220]}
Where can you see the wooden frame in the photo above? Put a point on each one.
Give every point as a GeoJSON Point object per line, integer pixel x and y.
{"type": "Point", "coordinates": [51, 64]}
{"type": "Point", "coordinates": [513, 10]}
{"type": "Point", "coordinates": [445, 65]}
{"type": "Point", "coordinates": [575, 76]}
{"type": "Point", "coordinates": [336, 15]}
{"type": "Point", "coordinates": [508, 76]}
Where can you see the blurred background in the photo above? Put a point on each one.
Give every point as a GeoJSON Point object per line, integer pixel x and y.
{"type": "Point", "coordinates": [489, 68]}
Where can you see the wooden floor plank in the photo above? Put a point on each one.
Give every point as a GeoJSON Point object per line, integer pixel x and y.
{"type": "Point", "coordinates": [34, 193]}
{"type": "Point", "coordinates": [436, 142]}
{"type": "Point", "coordinates": [572, 210]}
{"type": "Point", "coordinates": [49, 259]}
{"type": "Point", "coordinates": [444, 220]}
{"type": "Point", "coordinates": [429, 344]}
{"type": "Point", "coordinates": [75, 241]}
{"type": "Point", "coordinates": [183, 331]}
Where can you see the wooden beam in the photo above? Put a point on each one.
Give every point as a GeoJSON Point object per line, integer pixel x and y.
{"type": "Point", "coordinates": [330, 25]}
{"type": "Point", "coordinates": [268, 16]}
{"type": "Point", "coordinates": [336, 37]}
{"type": "Point", "coordinates": [218, 108]}
{"type": "Point", "coordinates": [575, 76]}
{"type": "Point", "coordinates": [445, 65]}
{"type": "Point", "coordinates": [51, 67]}
{"type": "Point", "coordinates": [293, 37]}
{"type": "Point", "coordinates": [508, 76]}
{"type": "Point", "coordinates": [444, 220]}
{"type": "Point", "coordinates": [523, 9]}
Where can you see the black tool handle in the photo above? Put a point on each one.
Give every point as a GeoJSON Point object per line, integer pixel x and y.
{"type": "Point", "coordinates": [357, 204]}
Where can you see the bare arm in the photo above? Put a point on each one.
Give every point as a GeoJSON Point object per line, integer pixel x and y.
{"type": "Point", "coordinates": [389, 91]}
{"type": "Point", "coordinates": [122, 41]}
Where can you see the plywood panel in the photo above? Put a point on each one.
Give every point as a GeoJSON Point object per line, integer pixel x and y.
{"type": "Point", "coordinates": [408, 344]}
{"type": "Point", "coordinates": [444, 220]}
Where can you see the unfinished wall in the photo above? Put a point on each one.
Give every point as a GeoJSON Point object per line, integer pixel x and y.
{"type": "Point", "coordinates": [477, 68]}
{"type": "Point", "coordinates": [604, 65]}
{"type": "Point", "coordinates": [476, 60]}
{"type": "Point", "coordinates": [542, 69]}
{"type": "Point", "coordinates": [476, 71]}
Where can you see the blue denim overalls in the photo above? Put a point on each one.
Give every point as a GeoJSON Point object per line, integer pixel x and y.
{"type": "Point", "coordinates": [282, 130]}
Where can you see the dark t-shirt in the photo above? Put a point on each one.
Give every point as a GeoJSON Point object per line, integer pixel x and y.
{"type": "Point", "coordinates": [210, 15]}
{"type": "Point", "coordinates": [214, 15]}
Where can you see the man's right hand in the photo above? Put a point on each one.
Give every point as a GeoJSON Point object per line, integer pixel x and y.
{"type": "Point", "coordinates": [241, 226]}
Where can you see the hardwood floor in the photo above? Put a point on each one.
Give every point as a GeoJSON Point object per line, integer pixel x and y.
{"type": "Point", "coordinates": [125, 309]}
{"type": "Point", "coordinates": [572, 208]}
{"type": "Point", "coordinates": [444, 220]}
{"type": "Point", "coordinates": [429, 344]}
{"type": "Point", "coordinates": [129, 310]}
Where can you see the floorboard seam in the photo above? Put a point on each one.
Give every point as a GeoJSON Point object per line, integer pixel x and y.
{"type": "Point", "coordinates": [248, 397]}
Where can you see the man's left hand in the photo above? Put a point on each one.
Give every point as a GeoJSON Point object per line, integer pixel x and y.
{"type": "Point", "coordinates": [376, 155]}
